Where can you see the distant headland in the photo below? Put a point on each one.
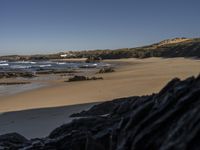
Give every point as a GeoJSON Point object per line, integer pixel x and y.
{"type": "Point", "coordinates": [176, 47]}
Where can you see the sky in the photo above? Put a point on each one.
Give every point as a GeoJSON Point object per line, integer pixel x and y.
{"type": "Point", "coordinates": [50, 26]}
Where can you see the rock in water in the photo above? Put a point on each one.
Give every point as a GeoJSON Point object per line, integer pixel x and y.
{"type": "Point", "coordinates": [169, 120]}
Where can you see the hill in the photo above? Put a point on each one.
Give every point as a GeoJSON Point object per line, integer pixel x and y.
{"type": "Point", "coordinates": [177, 47]}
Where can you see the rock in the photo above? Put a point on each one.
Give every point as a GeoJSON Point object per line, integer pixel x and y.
{"type": "Point", "coordinates": [167, 120]}
{"type": "Point", "coordinates": [103, 108]}
{"type": "Point", "coordinates": [13, 141]}
{"type": "Point", "coordinates": [15, 74]}
{"type": "Point", "coordinates": [106, 70]}
{"type": "Point", "coordinates": [83, 78]}
{"type": "Point", "coordinates": [93, 59]}
{"type": "Point", "coordinates": [14, 83]}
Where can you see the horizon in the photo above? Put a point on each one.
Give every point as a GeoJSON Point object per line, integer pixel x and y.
{"type": "Point", "coordinates": [47, 27]}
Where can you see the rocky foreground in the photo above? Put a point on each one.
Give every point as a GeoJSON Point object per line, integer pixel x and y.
{"type": "Point", "coordinates": [168, 120]}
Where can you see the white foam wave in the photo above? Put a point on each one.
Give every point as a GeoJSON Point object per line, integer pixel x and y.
{"type": "Point", "coordinates": [19, 67]}
{"type": "Point", "coordinates": [48, 65]}
{"type": "Point", "coordinates": [4, 64]}
{"type": "Point", "coordinates": [61, 63]}
{"type": "Point", "coordinates": [25, 62]}
{"type": "Point", "coordinates": [3, 61]}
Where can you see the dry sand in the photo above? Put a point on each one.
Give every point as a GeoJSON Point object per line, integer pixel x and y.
{"type": "Point", "coordinates": [132, 77]}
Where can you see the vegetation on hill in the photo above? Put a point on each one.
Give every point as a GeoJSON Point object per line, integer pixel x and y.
{"type": "Point", "coordinates": [178, 47]}
{"type": "Point", "coordinates": [187, 48]}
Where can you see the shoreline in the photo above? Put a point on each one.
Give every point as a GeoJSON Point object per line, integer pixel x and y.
{"type": "Point", "coordinates": [37, 112]}
{"type": "Point", "coordinates": [132, 77]}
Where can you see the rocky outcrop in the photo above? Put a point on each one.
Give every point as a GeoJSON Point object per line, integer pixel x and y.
{"type": "Point", "coordinates": [13, 141]}
{"type": "Point", "coordinates": [83, 78]}
{"type": "Point", "coordinates": [93, 59]}
{"type": "Point", "coordinates": [14, 83]}
{"type": "Point", "coordinates": [106, 70]}
{"type": "Point", "coordinates": [168, 120]}
{"type": "Point", "coordinates": [15, 74]}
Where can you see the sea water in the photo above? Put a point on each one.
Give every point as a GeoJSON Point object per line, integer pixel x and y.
{"type": "Point", "coordinates": [34, 66]}
{"type": "Point", "coordinates": [44, 65]}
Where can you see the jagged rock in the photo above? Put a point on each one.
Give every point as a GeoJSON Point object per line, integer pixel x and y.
{"type": "Point", "coordinates": [12, 141]}
{"type": "Point", "coordinates": [103, 108]}
{"type": "Point", "coordinates": [169, 120]}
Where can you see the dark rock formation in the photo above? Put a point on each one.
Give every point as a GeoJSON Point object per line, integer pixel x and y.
{"type": "Point", "coordinates": [42, 71]}
{"type": "Point", "coordinates": [14, 83]}
{"type": "Point", "coordinates": [15, 74]}
{"type": "Point", "coordinates": [169, 120]}
{"type": "Point", "coordinates": [93, 59]}
{"type": "Point", "coordinates": [83, 78]}
{"type": "Point", "coordinates": [13, 141]}
{"type": "Point", "coordinates": [106, 70]}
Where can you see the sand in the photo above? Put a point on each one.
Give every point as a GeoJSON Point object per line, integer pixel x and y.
{"type": "Point", "coordinates": [132, 77]}
{"type": "Point", "coordinates": [36, 123]}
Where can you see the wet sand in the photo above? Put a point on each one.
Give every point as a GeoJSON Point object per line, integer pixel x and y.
{"type": "Point", "coordinates": [36, 123]}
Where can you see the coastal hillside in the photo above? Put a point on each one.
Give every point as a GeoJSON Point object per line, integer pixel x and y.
{"type": "Point", "coordinates": [177, 47]}
{"type": "Point", "coordinates": [167, 120]}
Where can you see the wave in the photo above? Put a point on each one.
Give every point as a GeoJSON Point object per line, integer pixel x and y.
{"type": "Point", "coordinates": [25, 62]}
{"type": "Point", "coordinates": [42, 66]}
{"type": "Point", "coordinates": [20, 67]}
{"type": "Point", "coordinates": [3, 61]}
{"type": "Point", "coordinates": [4, 64]}
{"type": "Point", "coordinates": [60, 63]}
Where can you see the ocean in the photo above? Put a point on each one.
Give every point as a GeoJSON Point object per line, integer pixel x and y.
{"type": "Point", "coordinates": [37, 66]}
{"type": "Point", "coordinates": [33, 66]}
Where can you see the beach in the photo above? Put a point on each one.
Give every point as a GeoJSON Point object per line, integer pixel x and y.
{"type": "Point", "coordinates": [132, 77]}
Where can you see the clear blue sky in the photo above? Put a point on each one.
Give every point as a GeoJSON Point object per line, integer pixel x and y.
{"type": "Point", "coordinates": [48, 26]}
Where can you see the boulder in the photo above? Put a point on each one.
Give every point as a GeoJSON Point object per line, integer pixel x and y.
{"type": "Point", "coordinates": [83, 78]}
{"type": "Point", "coordinates": [13, 141]}
{"type": "Point", "coordinates": [93, 59]}
{"type": "Point", "coordinates": [106, 70]}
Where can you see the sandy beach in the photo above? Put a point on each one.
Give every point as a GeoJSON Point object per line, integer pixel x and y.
{"type": "Point", "coordinates": [49, 104]}
{"type": "Point", "coordinates": [132, 77]}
